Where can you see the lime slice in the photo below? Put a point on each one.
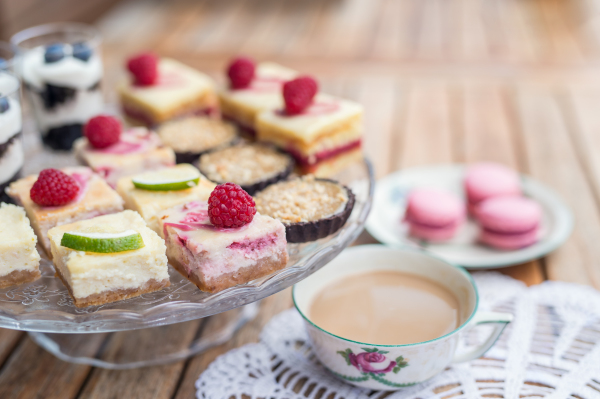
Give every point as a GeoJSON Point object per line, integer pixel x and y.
{"type": "Point", "coordinates": [103, 242]}
{"type": "Point", "coordinates": [172, 179]}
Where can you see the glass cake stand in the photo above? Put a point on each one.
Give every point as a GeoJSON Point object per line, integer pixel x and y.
{"type": "Point", "coordinates": [45, 309]}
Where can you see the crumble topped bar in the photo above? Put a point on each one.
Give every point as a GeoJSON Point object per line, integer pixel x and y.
{"type": "Point", "coordinates": [19, 259]}
{"type": "Point", "coordinates": [244, 164]}
{"type": "Point", "coordinates": [305, 199]}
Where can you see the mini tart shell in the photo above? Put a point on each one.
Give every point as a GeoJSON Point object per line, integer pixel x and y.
{"type": "Point", "coordinates": [254, 188]}
{"type": "Point", "coordinates": [314, 230]}
{"type": "Point", "coordinates": [192, 156]}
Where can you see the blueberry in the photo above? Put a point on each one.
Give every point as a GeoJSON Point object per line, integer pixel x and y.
{"type": "Point", "coordinates": [3, 63]}
{"type": "Point", "coordinates": [54, 53]}
{"type": "Point", "coordinates": [4, 105]}
{"type": "Point", "coordinates": [82, 51]}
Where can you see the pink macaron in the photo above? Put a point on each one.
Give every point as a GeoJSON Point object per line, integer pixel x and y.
{"type": "Point", "coordinates": [509, 222]}
{"type": "Point", "coordinates": [434, 215]}
{"type": "Point", "coordinates": [487, 180]}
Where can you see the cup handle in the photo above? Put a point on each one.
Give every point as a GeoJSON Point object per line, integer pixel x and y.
{"type": "Point", "coordinates": [499, 319]}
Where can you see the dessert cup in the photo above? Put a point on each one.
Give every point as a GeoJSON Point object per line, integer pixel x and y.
{"type": "Point", "coordinates": [7, 56]}
{"type": "Point", "coordinates": [11, 147]}
{"type": "Point", "coordinates": [61, 68]}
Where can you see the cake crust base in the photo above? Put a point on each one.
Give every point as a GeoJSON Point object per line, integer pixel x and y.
{"type": "Point", "coordinates": [17, 277]}
{"type": "Point", "coordinates": [114, 295]}
{"type": "Point", "coordinates": [241, 276]}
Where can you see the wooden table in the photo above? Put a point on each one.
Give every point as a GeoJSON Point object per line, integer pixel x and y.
{"type": "Point", "coordinates": [511, 81]}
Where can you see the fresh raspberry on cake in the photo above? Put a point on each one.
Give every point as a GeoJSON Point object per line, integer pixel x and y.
{"type": "Point", "coordinates": [298, 94]}
{"type": "Point", "coordinates": [230, 206]}
{"type": "Point", "coordinates": [144, 68]}
{"type": "Point", "coordinates": [241, 72]}
{"type": "Point", "coordinates": [54, 188]}
{"type": "Point", "coordinates": [103, 131]}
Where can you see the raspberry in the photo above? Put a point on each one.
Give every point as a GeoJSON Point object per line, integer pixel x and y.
{"type": "Point", "coordinates": [144, 68]}
{"type": "Point", "coordinates": [298, 94]}
{"type": "Point", "coordinates": [54, 188]}
{"type": "Point", "coordinates": [241, 72]}
{"type": "Point", "coordinates": [230, 206]}
{"type": "Point", "coordinates": [103, 131]}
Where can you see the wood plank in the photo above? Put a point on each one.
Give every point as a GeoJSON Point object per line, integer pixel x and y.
{"type": "Point", "coordinates": [427, 137]}
{"type": "Point", "coordinates": [552, 158]}
{"type": "Point", "coordinates": [8, 342]}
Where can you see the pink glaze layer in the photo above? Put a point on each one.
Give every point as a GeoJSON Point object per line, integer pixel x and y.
{"type": "Point", "coordinates": [312, 161]}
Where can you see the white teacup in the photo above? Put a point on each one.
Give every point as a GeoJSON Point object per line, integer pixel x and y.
{"type": "Point", "coordinates": [389, 367]}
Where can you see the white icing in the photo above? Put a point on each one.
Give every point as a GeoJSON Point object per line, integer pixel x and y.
{"type": "Point", "coordinates": [68, 72]}
{"type": "Point", "coordinates": [19, 251]}
{"type": "Point", "coordinates": [11, 161]}
{"type": "Point", "coordinates": [85, 105]}
{"type": "Point", "coordinates": [10, 121]}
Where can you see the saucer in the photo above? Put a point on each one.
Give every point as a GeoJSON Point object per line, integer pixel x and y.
{"type": "Point", "coordinates": [389, 203]}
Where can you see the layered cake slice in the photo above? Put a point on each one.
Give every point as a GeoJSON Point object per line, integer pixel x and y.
{"type": "Point", "coordinates": [127, 153]}
{"type": "Point", "coordinates": [323, 133]}
{"type": "Point", "coordinates": [164, 89]}
{"type": "Point", "coordinates": [11, 147]}
{"type": "Point", "coordinates": [57, 197]}
{"type": "Point", "coordinates": [215, 257]}
{"type": "Point", "coordinates": [244, 99]}
{"type": "Point", "coordinates": [151, 192]}
{"type": "Point", "coordinates": [63, 82]}
{"type": "Point", "coordinates": [109, 258]}
{"type": "Point", "coordinates": [19, 260]}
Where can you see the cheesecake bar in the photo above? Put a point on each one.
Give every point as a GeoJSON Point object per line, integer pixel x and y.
{"type": "Point", "coordinates": [324, 138]}
{"type": "Point", "coordinates": [178, 91]}
{"type": "Point", "coordinates": [243, 105]}
{"type": "Point", "coordinates": [99, 278]}
{"type": "Point", "coordinates": [149, 203]}
{"type": "Point", "coordinates": [138, 150]}
{"type": "Point", "coordinates": [95, 198]}
{"type": "Point", "coordinates": [218, 258]}
{"type": "Point", "coordinates": [19, 260]}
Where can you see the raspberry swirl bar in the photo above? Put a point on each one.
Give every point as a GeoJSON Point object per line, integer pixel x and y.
{"type": "Point", "coordinates": [324, 138]}
{"type": "Point", "coordinates": [216, 258]}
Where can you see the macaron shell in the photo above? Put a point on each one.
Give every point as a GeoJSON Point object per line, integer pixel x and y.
{"type": "Point", "coordinates": [509, 214]}
{"type": "Point", "coordinates": [509, 241]}
{"type": "Point", "coordinates": [434, 208]}
{"type": "Point", "coordinates": [434, 233]}
{"type": "Point", "coordinates": [487, 180]}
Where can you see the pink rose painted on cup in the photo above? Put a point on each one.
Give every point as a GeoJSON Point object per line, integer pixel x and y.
{"type": "Point", "coordinates": [373, 361]}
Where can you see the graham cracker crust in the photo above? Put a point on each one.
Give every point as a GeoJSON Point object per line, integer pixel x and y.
{"type": "Point", "coordinates": [17, 277]}
{"type": "Point", "coordinates": [241, 276]}
{"type": "Point", "coordinates": [114, 295]}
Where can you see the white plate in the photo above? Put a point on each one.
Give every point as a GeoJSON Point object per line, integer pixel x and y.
{"type": "Point", "coordinates": [385, 220]}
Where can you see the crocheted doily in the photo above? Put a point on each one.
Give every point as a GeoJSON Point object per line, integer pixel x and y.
{"type": "Point", "coordinates": [550, 350]}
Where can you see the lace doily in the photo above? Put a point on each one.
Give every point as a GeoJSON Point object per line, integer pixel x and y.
{"type": "Point", "coordinates": [550, 350]}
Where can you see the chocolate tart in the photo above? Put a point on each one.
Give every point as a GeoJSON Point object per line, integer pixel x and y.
{"type": "Point", "coordinates": [309, 208]}
{"type": "Point", "coordinates": [253, 166]}
{"type": "Point", "coordinates": [193, 136]}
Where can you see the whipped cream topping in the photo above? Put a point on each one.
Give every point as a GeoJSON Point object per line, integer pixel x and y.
{"type": "Point", "coordinates": [10, 120]}
{"type": "Point", "coordinates": [12, 161]}
{"type": "Point", "coordinates": [68, 72]}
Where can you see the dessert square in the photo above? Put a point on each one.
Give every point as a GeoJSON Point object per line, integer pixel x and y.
{"type": "Point", "coordinates": [19, 260]}
{"type": "Point", "coordinates": [218, 258]}
{"type": "Point", "coordinates": [138, 150]}
{"type": "Point", "coordinates": [324, 138]}
{"type": "Point", "coordinates": [243, 105]}
{"type": "Point", "coordinates": [98, 278]}
{"type": "Point", "coordinates": [179, 90]}
{"type": "Point", "coordinates": [94, 199]}
{"type": "Point", "coordinates": [149, 203]}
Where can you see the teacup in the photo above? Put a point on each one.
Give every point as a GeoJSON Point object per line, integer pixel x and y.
{"type": "Point", "coordinates": [389, 367]}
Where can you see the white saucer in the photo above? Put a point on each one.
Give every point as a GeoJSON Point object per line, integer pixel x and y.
{"type": "Point", "coordinates": [385, 221]}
